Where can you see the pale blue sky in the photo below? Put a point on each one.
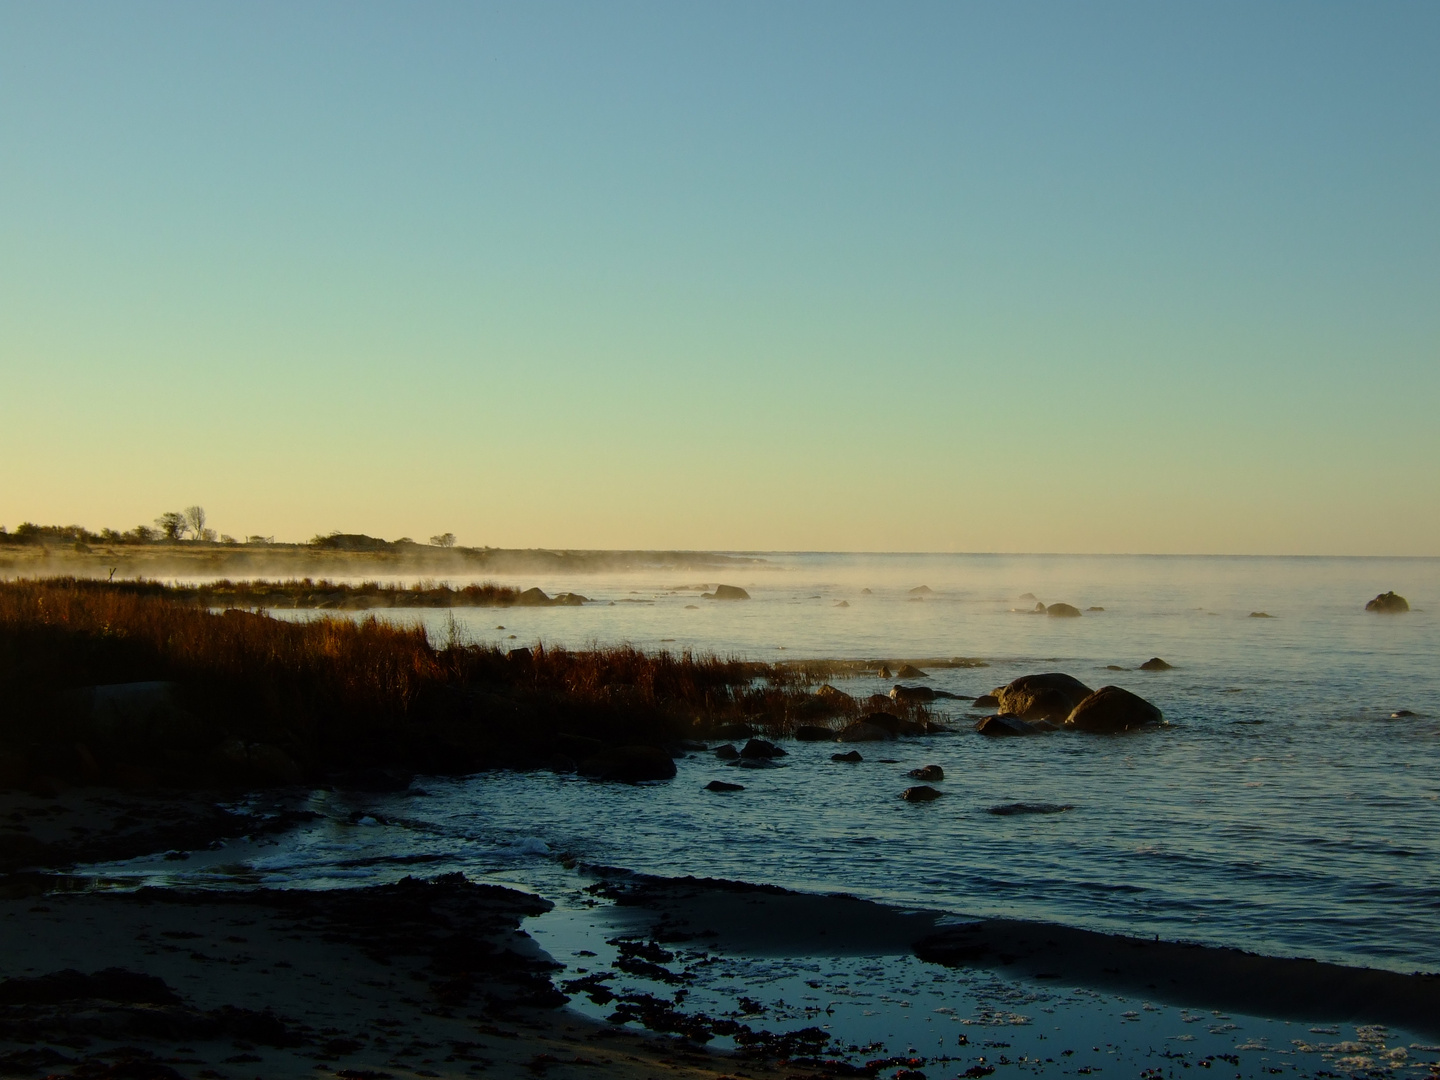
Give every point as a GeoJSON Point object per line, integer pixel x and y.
{"type": "Point", "coordinates": [1112, 277]}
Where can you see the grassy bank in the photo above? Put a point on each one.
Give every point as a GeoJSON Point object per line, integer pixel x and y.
{"type": "Point", "coordinates": [306, 593]}
{"type": "Point", "coordinates": [241, 698]}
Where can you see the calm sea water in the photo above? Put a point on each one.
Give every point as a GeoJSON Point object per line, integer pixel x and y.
{"type": "Point", "coordinates": [1283, 809]}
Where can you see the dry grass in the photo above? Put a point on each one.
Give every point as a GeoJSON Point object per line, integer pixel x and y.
{"type": "Point", "coordinates": [339, 692]}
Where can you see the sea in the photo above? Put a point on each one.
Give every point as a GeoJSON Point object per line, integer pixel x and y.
{"type": "Point", "coordinates": [1290, 805]}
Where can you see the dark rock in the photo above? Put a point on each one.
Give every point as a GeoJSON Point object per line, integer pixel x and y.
{"type": "Point", "coordinates": [721, 785]}
{"type": "Point", "coordinates": [533, 597]}
{"type": "Point", "coordinates": [570, 599]}
{"type": "Point", "coordinates": [1039, 609]}
{"type": "Point", "coordinates": [726, 592]}
{"type": "Point", "coordinates": [1050, 696]}
{"type": "Point", "coordinates": [1388, 603]}
{"type": "Point", "coordinates": [853, 757]}
{"type": "Point", "coordinates": [1063, 611]}
{"type": "Point", "coordinates": [931, 774]}
{"type": "Point", "coordinates": [759, 748]}
{"type": "Point", "coordinates": [923, 793]}
{"type": "Point", "coordinates": [1114, 667]}
{"type": "Point", "coordinates": [1092, 607]}
{"type": "Point", "coordinates": [629, 764]}
{"type": "Point", "coordinates": [904, 695]}
{"type": "Point", "coordinates": [1112, 708]}
{"type": "Point", "coordinates": [813, 733]}
{"type": "Point", "coordinates": [863, 731]}
{"type": "Point", "coordinates": [1261, 615]}
{"type": "Point", "coordinates": [896, 725]}
{"type": "Point", "coordinates": [884, 672]}
{"type": "Point", "coordinates": [909, 671]}
{"type": "Point", "coordinates": [1004, 724]}
{"type": "Point", "coordinates": [1010, 809]}
{"type": "Point", "coordinates": [1155, 664]}
{"type": "Point", "coordinates": [734, 731]}
{"type": "Point", "coordinates": [1401, 714]}
{"type": "Point", "coordinates": [519, 656]}
{"type": "Point", "coordinates": [727, 752]}
{"type": "Point", "coordinates": [986, 701]}
{"type": "Point", "coordinates": [836, 699]}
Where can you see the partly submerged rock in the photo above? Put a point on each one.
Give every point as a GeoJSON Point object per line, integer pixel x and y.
{"type": "Point", "coordinates": [629, 764]}
{"type": "Point", "coordinates": [921, 590]}
{"type": "Point", "coordinates": [1093, 607]}
{"type": "Point", "coordinates": [533, 597]}
{"type": "Point", "coordinates": [1261, 615]}
{"type": "Point", "coordinates": [734, 731]}
{"type": "Point", "coordinates": [1155, 664]}
{"type": "Point", "coordinates": [923, 793]}
{"type": "Point", "coordinates": [884, 672]}
{"type": "Point", "coordinates": [1004, 724]}
{"type": "Point", "coordinates": [759, 748]}
{"type": "Point", "coordinates": [863, 731]}
{"type": "Point", "coordinates": [1049, 696]}
{"type": "Point", "coordinates": [896, 725]}
{"type": "Point", "coordinates": [726, 752]}
{"type": "Point", "coordinates": [843, 603]}
{"type": "Point", "coordinates": [986, 701]}
{"type": "Point", "coordinates": [931, 774]}
{"type": "Point", "coordinates": [1112, 708]}
{"type": "Point", "coordinates": [726, 592]}
{"type": "Point", "coordinates": [721, 785]}
{"type": "Point", "coordinates": [1388, 603]}
{"type": "Point", "coordinates": [851, 758]}
{"type": "Point", "coordinates": [1010, 809]}
{"type": "Point", "coordinates": [813, 733]}
{"type": "Point", "coordinates": [910, 671]}
{"type": "Point", "coordinates": [1063, 611]}
{"type": "Point", "coordinates": [834, 697]}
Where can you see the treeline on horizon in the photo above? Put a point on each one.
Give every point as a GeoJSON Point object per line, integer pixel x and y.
{"type": "Point", "coordinates": [238, 698]}
{"type": "Point", "coordinates": [188, 527]}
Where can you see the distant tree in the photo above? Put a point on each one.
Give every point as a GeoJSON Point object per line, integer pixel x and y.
{"type": "Point", "coordinates": [195, 522]}
{"type": "Point", "coordinates": [141, 534]}
{"type": "Point", "coordinates": [172, 525]}
{"type": "Point", "coordinates": [257, 539]}
{"type": "Point", "coordinates": [110, 536]}
{"type": "Point", "coordinates": [445, 540]}
{"type": "Point", "coordinates": [226, 538]}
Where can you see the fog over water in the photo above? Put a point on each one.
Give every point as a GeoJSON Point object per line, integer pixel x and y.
{"type": "Point", "coordinates": [1283, 809]}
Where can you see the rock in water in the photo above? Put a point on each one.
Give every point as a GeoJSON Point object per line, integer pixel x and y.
{"type": "Point", "coordinates": [853, 757]}
{"type": "Point", "coordinates": [834, 697]}
{"type": "Point", "coordinates": [884, 672]}
{"type": "Point", "coordinates": [986, 701]}
{"type": "Point", "coordinates": [727, 752]}
{"type": "Point", "coordinates": [759, 748]}
{"type": "Point", "coordinates": [1063, 611]}
{"type": "Point", "coordinates": [734, 731]}
{"type": "Point", "coordinates": [1112, 708]}
{"type": "Point", "coordinates": [931, 774]}
{"type": "Point", "coordinates": [629, 764]}
{"type": "Point", "coordinates": [1388, 603]}
{"type": "Point", "coordinates": [721, 785]}
{"type": "Point", "coordinates": [909, 671]}
{"type": "Point", "coordinates": [1261, 615]}
{"type": "Point", "coordinates": [863, 731]}
{"type": "Point", "coordinates": [923, 793]}
{"type": "Point", "coordinates": [534, 597]}
{"type": "Point", "coordinates": [1155, 664]}
{"type": "Point", "coordinates": [921, 590]}
{"type": "Point", "coordinates": [726, 592]}
{"type": "Point", "coordinates": [813, 733]}
{"type": "Point", "coordinates": [1050, 696]}
{"type": "Point", "coordinates": [1004, 724]}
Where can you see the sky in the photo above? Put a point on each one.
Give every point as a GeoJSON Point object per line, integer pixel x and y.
{"type": "Point", "coordinates": [1111, 277]}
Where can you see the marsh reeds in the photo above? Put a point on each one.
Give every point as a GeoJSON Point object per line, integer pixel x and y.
{"type": "Point", "coordinates": [238, 697]}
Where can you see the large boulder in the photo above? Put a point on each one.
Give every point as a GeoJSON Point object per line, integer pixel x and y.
{"type": "Point", "coordinates": [1063, 611]}
{"type": "Point", "coordinates": [852, 758]}
{"type": "Point", "coordinates": [1155, 664]}
{"type": "Point", "coordinates": [1388, 603]}
{"type": "Point", "coordinates": [629, 764]}
{"type": "Point", "coordinates": [863, 731]}
{"type": "Point", "coordinates": [1050, 696]}
{"type": "Point", "coordinates": [1112, 708]}
{"type": "Point", "coordinates": [910, 671]}
{"type": "Point", "coordinates": [726, 592]}
{"type": "Point", "coordinates": [533, 597]}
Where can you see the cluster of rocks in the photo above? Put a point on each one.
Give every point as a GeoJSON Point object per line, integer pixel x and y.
{"type": "Point", "coordinates": [1055, 701]}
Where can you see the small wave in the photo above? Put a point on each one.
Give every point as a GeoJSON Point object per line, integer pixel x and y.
{"type": "Point", "coordinates": [1009, 809]}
